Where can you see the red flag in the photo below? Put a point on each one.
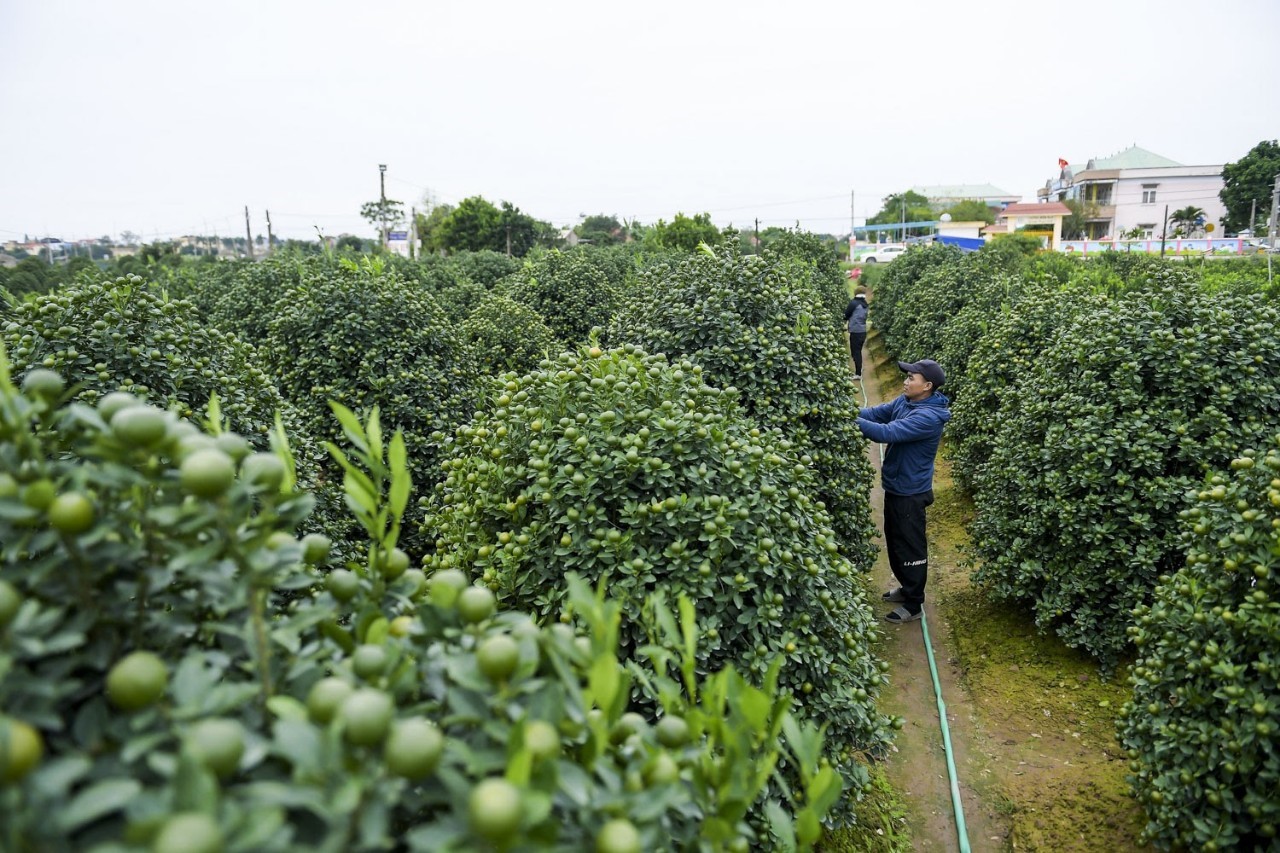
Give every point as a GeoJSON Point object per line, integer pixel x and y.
{"type": "Point", "coordinates": [1062, 164]}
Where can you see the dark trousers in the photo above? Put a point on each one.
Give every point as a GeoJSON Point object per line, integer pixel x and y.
{"type": "Point", "coordinates": [907, 545]}
{"type": "Point", "coordinates": [856, 340]}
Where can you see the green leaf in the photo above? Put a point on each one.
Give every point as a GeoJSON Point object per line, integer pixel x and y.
{"type": "Point", "coordinates": [213, 419]}
{"type": "Point", "coordinates": [350, 426]}
{"type": "Point", "coordinates": [97, 801]}
{"type": "Point", "coordinates": [374, 431]}
{"type": "Point", "coordinates": [781, 826]}
{"type": "Point", "coordinates": [825, 789]}
{"type": "Point", "coordinates": [603, 680]}
{"type": "Point", "coordinates": [401, 481]}
{"type": "Point", "coordinates": [194, 786]}
{"type": "Point", "coordinates": [287, 708]}
{"type": "Point", "coordinates": [299, 743]}
{"type": "Point", "coordinates": [280, 444]}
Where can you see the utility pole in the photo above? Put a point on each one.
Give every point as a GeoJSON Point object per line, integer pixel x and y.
{"type": "Point", "coordinates": [1271, 227]}
{"type": "Point", "coordinates": [508, 239]}
{"type": "Point", "coordinates": [904, 219]}
{"type": "Point", "coordinates": [413, 232]}
{"type": "Point", "coordinates": [382, 175]}
{"type": "Point", "coordinates": [1253, 218]}
{"type": "Point", "coordinates": [853, 225]}
{"type": "Point", "coordinates": [757, 235]}
{"type": "Point", "coordinates": [271, 238]}
{"type": "Point", "coordinates": [1164, 229]}
{"type": "Point", "coordinates": [248, 232]}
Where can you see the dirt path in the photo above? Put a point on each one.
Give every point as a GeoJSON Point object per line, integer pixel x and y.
{"type": "Point", "coordinates": [918, 768]}
{"type": "Point", "coordinates": [1031, 722]}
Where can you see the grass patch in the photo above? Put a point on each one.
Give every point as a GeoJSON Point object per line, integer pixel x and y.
{"type": "Point", "coordinates": [881, 826]}
{"type": "Point", "coordinates": [1045, 706]}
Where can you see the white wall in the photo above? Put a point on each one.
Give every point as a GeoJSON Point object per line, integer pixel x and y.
{"type": "Point", "coordinates": [1175, 190]}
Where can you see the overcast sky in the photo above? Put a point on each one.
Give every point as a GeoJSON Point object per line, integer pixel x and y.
{"type": "Point", "coordinates": [168, 117]}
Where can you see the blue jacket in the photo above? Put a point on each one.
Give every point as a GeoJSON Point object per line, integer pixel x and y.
{"type": "Point", "coordinates": [912, 431]}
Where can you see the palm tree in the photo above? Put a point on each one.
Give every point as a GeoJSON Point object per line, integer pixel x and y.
{"type": "Point", "coordinates": [1187, 220]}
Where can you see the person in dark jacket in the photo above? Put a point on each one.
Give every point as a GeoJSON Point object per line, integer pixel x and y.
{"type": "Point", "coordinates": [855, 314]}
{"type": "Point", "coordinates": [912, 427]}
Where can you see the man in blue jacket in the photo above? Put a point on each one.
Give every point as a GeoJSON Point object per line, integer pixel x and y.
{"type": "Point", "coordinates": [912, 427]}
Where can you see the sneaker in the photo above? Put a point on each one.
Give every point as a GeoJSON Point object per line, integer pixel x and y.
{"type": "Point", "coordinates": [900, 615]}
{"type": "Point", "coordinates": [857, 377]}
{"type": "Point", "coordinates": [894, 595]}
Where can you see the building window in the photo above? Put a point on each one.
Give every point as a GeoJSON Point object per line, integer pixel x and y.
{"type": "Point", "coordinates": [1149, 193]}
{"type": "Point", "coordinates": [1148, 229]}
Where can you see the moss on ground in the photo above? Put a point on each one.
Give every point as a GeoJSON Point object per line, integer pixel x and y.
{"type": "Point", "coordinates": [881, 822]}
{"type": "Point", "coordinates": [1044, 707]}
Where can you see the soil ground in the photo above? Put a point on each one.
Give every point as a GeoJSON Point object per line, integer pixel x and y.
{"type": "Point", "coordinates": [1031, 721]}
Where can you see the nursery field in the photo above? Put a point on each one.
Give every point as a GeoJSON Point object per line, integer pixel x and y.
{"type": "Point", "coordinates": [579, 552]}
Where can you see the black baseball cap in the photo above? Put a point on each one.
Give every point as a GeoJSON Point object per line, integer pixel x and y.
{"type": "Point", "coordinates": [929, 369]}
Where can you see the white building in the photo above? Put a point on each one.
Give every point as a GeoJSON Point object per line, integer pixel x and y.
{"type": "Point", "coordinates": [949, 195]}
{"type": "Point", "coordinates": [1130, 192]}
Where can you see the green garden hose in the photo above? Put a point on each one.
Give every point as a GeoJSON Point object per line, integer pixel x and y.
{"type": "Point", "coordinates": [962, 835]}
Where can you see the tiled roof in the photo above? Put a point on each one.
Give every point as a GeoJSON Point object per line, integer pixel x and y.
{"type": "Point", "coordinates": [963, 191]}
{"type": "Point", "coordinates": [1034, 209]}
{"type": "Point", "coordinates": [1132, 158]}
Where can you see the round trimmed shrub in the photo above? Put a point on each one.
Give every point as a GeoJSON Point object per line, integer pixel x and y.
{"type": "Point", "coordinates": [505, 335]}
{"type": "Point", "coordinates": [125, 335]}
{"type": "Point", "coordinates": [460, 299]}
{"type": "Point", "coordinates": [240, 297]}
{"type": "Point", "coordinates": [757, 325]}
{"type": "Point", "coordinates": [572, 295]}
{"type": "Point", "coordinates": [362, 336]}
{"type": "Point", "coordinates": [632, 472]}
{"type": "Point", "coordinates": [827, 275]}
{"type": "Point", "coordinates": [1203, 729]}
{"type": "Point", "coordinates": [1014, 340]}
{"type": "Point", "coordinates": [1128, 407]}
{"type": "Point", "coordinates": [485, 267]}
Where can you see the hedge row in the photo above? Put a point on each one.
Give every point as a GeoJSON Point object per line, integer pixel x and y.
{"type": "Point", "coordinates": [182, 673]}
{"type": "Point", "coordinates": [1114, 425]}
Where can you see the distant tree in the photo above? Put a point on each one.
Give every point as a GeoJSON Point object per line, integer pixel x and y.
{"type": "Point", "coordinates": [129, 238]}
{"type": "Point", "coordinates": [1073, 226]}
{"type": "Point", "coordinates": [352, 242]}
{"type": "Point", "coordinates": [31, 275]}
{"type": "Point", "coordinates": [1187, 220]}
{"type": "Point", "coordinates": [686, 232]}
{"type": "Point", "coordinates": [601, 230]}
{"type": "Point", "coordinates": [517, 231]}
{"type": "Point", "coordinates": [546, 235]}
{"type": "Point", "coordinates": [383, 215]}
{"type": "Point", "coordinates": [429, 223]}
{"type": "Point", "coordinates": [907, 206]}
{"type": "Point", "coordinates": [299, 247]}
{"type": "Point", "coordinates": [971, 210]}
{"type": "Point", "coordinates": [77, 265]}
{"type": "Point", "coordinates": [154, 252]}
{"type": "Point", "coordinates": [1249, 179]}
{"type": "Point", "coordinates": [1024, 242]}
{"type": "Point", "coordinates": [472, 226]}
